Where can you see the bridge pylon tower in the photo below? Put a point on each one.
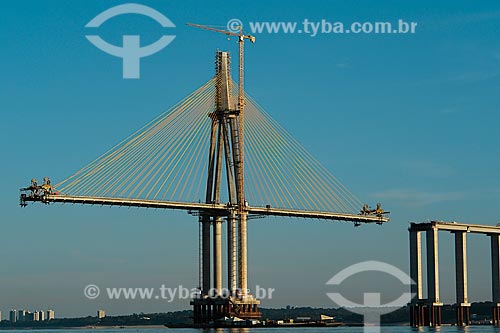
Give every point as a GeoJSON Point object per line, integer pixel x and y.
{"type": "Point", "coordinates": [225, 152]}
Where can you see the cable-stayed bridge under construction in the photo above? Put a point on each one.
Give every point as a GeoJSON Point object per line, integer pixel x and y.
{"type": "Point", "coordinates": [217, 155]}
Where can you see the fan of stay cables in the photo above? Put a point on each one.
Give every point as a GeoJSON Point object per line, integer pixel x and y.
{"type": "Point", "coordinates": [167, 159]}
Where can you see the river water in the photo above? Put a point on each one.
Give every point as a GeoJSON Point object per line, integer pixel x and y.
{"type": "Point", "coordinates": [387, 329]}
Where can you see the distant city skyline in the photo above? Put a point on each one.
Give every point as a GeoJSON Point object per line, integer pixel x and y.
{"type": "Point", "coordinates": [23, 315]}
{"type": "Point", "coordinates": [406, 120]}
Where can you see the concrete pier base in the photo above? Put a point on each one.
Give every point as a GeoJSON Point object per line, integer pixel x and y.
{"type": "Point", "coordinates": [434, 314]}
{"type": "Point", "coordinates": [496, 315]}
{"type": "Point", "coordinates": [208, 310]}
{"type": "Point", "coordinates": [463, 314]}
{"type": "Point", "coordinates": [417, 315]}
{"type": "Point", "coordinates": [425, 314]}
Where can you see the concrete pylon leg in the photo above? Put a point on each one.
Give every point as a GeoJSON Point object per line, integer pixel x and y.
{"type": "Point", "coordinates": [461, 278]}
{"type": "Point", "coordinates": [231, 252]}
{"type": "Point", "coordinates": [432, 266]}
{"type": "Point", "coordinates": [218, 255]}
{"type": "Point", "coordinates": [495, 277]}
{"type": "Point", "coordinates": [205, 232]}
{"type": "Point", "coordinates": [416, 318]}
{"type": "Point", "coordinates": [416, 263]}
{"type": "Point", "coordinates": [434, 304]}
{"type": "Point", "coordinates": [242, 253]}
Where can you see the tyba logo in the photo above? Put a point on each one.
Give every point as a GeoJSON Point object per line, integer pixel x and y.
{"type": "Point", "coordinates": [372, 308]}
{"type": "Point", "coordinates": [131, 51]}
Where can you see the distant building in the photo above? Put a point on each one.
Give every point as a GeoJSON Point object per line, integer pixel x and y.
{"type": "Point", "coordinates": [29, 316]}
{"type": "Point", "coordinates": [326, 319]}
{"type": "Point", "coordinates": [101, 314]}
{"type": "Point", "coordinates": [303, 319]}
{"type": "Point", "coordinates": [13, 316]}
{"type": "Point", "coordinates": [20, 315]}
{"type": "Point", "coordinates": [51, 314]}
{"type": "Point", "coordinates": [35, 316]}
{"type": "Point", "coordinates": [0, 315]}
{"type": "Point", "coordinates": [41, 315]}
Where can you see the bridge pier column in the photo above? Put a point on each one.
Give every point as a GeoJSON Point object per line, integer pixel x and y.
{"type": "Point", "coordinates": [242, 253]}
{"type": "Point", "coordinates": [231, 252]}
{"type": "Point", "coordinates": [463, 305]}
{"type": "Point", "coordinates": [495, 277]}
{"type": "Point", "coordinates": [217, 225]}
{"type": "Point", "coordinates": [416, 314]}
{"type": "Point", "coordinates": [432, 265]}
{"type": "Point", "coordinates": [434, 305]}
{"type": "Point", "coordinates": [205, 249]}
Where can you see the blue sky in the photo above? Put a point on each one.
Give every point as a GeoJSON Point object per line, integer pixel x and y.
{"type": "Point", "coordinates": [409, 120]}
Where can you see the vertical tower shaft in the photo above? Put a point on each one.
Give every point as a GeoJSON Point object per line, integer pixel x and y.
{"type": "Point", "coordinates": [220, 153]}
{"type": "Point", "coordinates": [226, 149]}
{"type": "Point", "coordinates": [206, 219]}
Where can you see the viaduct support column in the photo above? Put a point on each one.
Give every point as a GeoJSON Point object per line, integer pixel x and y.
{"type": "Point", "coordinates": [495, 277]}
{"type": "Point", "coordinates": [463, 305]}
{"type": "Point", "coordinates": [242, 253]}
{"type": "Point", "coordinates": [416, 307]}
{"type": "Point", "coordinates": [231, 252]}
{"type": "Point", "coordinates": [218, 255]}
{"type": "Point", "coordinates": [205, 249]}
{"type": "Point", "coordinates": [434, 305]}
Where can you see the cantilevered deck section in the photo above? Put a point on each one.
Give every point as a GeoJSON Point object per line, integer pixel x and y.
{"type": "Point", "coordinates": [219, 209]}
